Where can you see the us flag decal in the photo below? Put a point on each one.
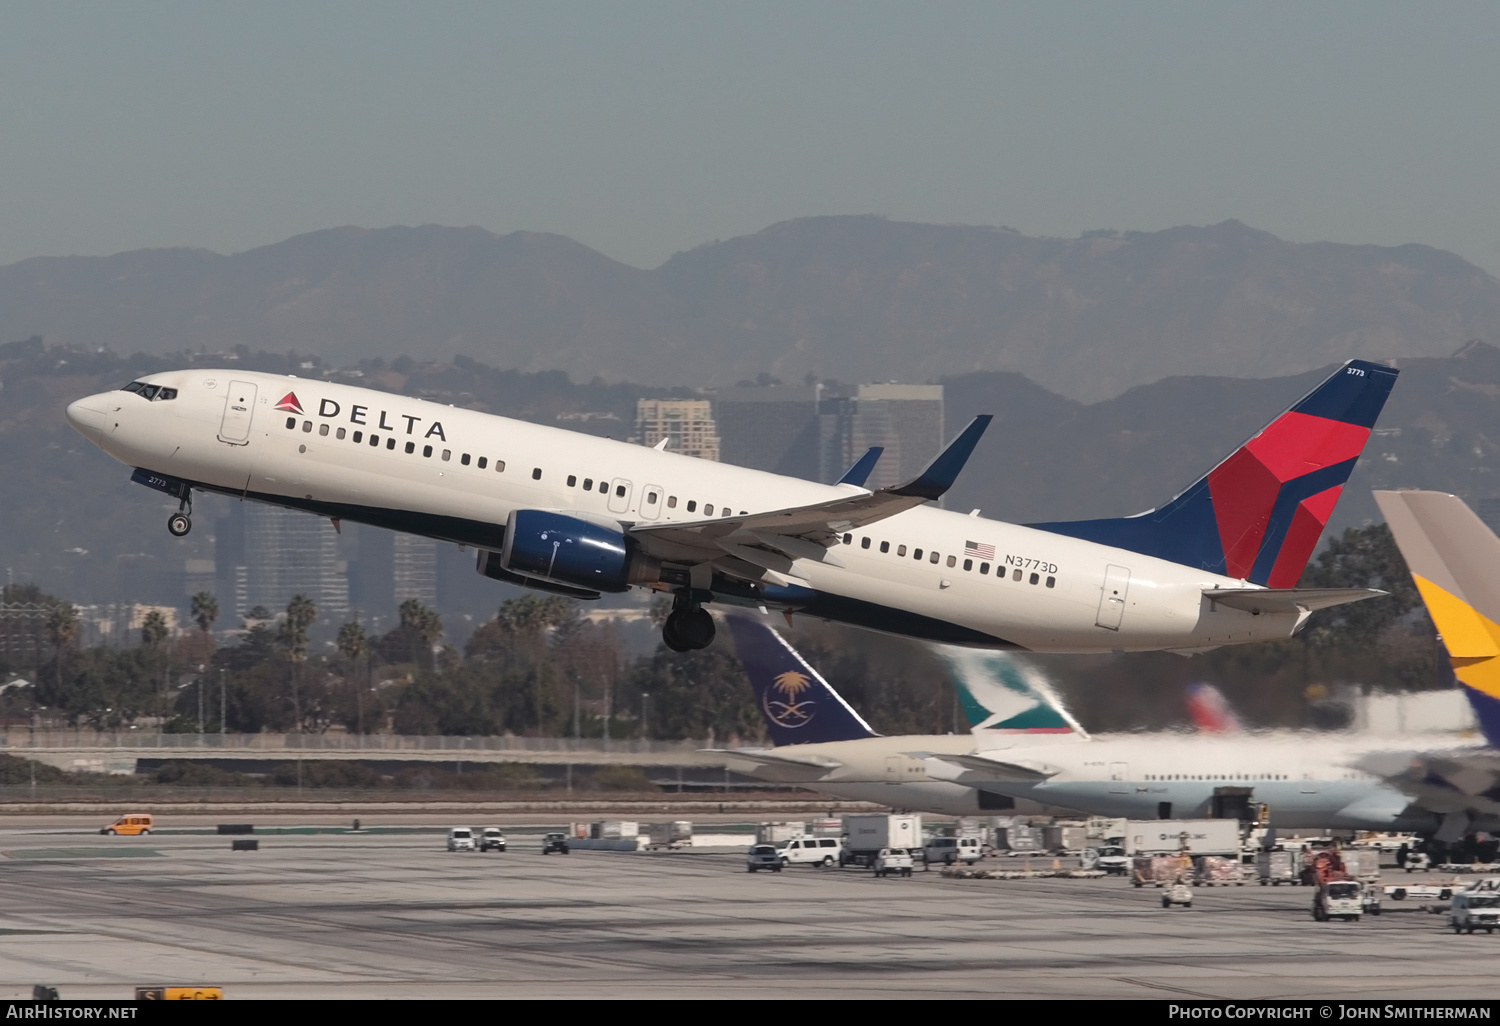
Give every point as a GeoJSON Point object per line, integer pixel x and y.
{"type": "Point", "coordinates": [979, 550]}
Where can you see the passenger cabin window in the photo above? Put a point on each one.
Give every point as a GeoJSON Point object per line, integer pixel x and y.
{"type": "Point", "coordinates": [708, 509]}
{"type": "Point", "coordinates": [885, 546]}
{"type": "Point", "coordinates": [934, 558]}
{"type": "Point", "coordinates": [726, 511]}
{"type": "Point", "coordinates": [588, 484]}
{"type": "Point", "coordinates": [572, 480]}
{"type": "Point", "coordinates": [848, 539]}
{"type": "Point", "coordinates": [307, 427]}
{"type": "Point", "coordinates": [390, 443]}
{"type": "Point", "coordinates": [484, 461]}
{"type": "Point", "coordinates": [864, 543]}
{"type": "Point", "coordinates": [1052, 582]}
{"type": "Point", "coordinates": [692, 505]}
{"type": "Point", "coordinates": [1016, 576]}
{"type": "Point", "coordinates": [536, 473]}
{"type": "Point", "coordinates": [359, 436]}
{"type": "Point", "coordinates": [499, 466]}
{"type": "Point", "coordinates": [984, 568]}
{"type": "Point", "coordinates": [650, 498]}
{"type": "Point", "coordinates": [323, 429]}
{"type": "Point", "coordinates": [916, 554]}
{"type": "Point", "coordinates": [411, 447]}
{"type": "Point", "coordinates": [1034, 578]}
{"type": "Point", "coordinates": [464, 459]}
{"type": "Point", "coordinates": [953, 561]}
{"type": "Point", "coordinates": [291, 423]}
{"type": "Point", "coordinates": [375, 440]}
{"type": "Point", "coordinates": [900, 550]}
{"type": "Point", "coordinates": [620, 491]}
{"type": "Point", "coordinates": [968, 564]}
{"type": "Point", "coordinates": [671, 502]}
{"type": "Point", "coordinates": [603, 487]}
{"type": "Point", "coordinates": [339, 434]}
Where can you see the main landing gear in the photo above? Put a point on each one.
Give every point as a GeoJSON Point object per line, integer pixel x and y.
{"type": "Point", "coordinates": [689, 626]}
{"type": "Point", "coordinates": [181, 522]}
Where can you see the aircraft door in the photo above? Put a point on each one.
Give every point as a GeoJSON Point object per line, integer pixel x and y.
{"type": "Point", "coordinates": [1112, 597]}
{"type": "Point", "coordinates": [239, 407]}
{"type": "Point", "coordinates": [651, 502]}
{"type": "Point", "coordinates": [619, 495]}
{"type": "Point", "coordinates": [1119, 778]}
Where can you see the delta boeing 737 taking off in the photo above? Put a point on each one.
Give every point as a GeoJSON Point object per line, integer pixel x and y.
{"type": "Point", "coordinates": [579, 515]}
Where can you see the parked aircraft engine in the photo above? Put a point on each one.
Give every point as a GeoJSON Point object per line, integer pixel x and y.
{"type": "Point", "coordinates": [573, 552]}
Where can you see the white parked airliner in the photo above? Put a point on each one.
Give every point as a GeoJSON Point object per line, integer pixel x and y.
{"type": "Point", "coordinates": [581, 515]}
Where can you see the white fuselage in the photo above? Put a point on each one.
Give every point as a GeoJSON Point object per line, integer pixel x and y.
{"type": "Point", "coordinates": [882, 770]}
{"type": "Point", "coordinates": [1307, 780]}
{"type": "Point", "coordinates": [457, 474]}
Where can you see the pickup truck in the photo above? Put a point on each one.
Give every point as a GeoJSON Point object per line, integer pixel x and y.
{"type": "Point", "coordinates": [897, 861]}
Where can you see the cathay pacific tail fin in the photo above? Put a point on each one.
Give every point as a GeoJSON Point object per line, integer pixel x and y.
{"type": "Point", "coordinates": [1258, 515]}
{"type": "Point", "coordinates": [1455, 561]}
{"type": "Point", "coordinates": [799, 706]}
{"type": "Point", "coordinates": [1002, 695]}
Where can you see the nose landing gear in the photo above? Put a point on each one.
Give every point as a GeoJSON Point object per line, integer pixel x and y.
{"type": "Point", "coordinates": [689, 626]}
{"type": "Point", "coordinates": [181, 522]}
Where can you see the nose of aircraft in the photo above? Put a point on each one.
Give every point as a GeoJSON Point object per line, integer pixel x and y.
{"type": "Point", "coordinates": [87, 417]}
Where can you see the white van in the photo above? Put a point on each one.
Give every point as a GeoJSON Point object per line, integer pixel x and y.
{"type": "Point", "coordinates": [1475, 910]}
{"type": "Point", "coordinates": [460, 839]}
{"type": "Point", "coordinates": [811, 851]}
{"type": "Point", "coordinates": [948, 850]}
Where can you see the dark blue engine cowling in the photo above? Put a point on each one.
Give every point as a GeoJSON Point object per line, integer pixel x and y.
{"type": "Point", "coordinates": [557, 547]}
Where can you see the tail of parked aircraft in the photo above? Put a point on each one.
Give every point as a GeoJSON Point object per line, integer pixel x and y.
{"type": "Point", "coordinates": [1455, 561]}
{"type": "Point", "coordinates": [1211, 711]}
{"type": "Point", "coordinates": [1258, 515]}
{"type": "Point", "coordinates": [798, 704]}
{"type": "Point", "coordinates": [1001, 695]}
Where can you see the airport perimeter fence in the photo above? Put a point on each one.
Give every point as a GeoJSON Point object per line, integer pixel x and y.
{"type": "Point", "coordinates": [304, 744]}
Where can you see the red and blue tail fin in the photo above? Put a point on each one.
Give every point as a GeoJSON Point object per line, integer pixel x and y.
{"type": "Point", "coordinates": [800, 707]}
{"type": "Point", "coordinates": [1258, 515]}
{"type": "Point", "coordinates": [1211, 711]}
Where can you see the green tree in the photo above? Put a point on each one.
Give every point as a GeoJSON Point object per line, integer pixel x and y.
{"type": "Point", "coordinates": [205, 611]}
{"type": "Point", "coordinates": [62, 628]}
{"type": "Point", "coordinates": [294, 637]}
{"type": "Point", "coordinates": [154, 630]}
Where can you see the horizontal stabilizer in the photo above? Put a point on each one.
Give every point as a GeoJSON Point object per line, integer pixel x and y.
{"type": "Point", "coordinates": [1287, 600]}
{"type": "Point", "coordinates": [983, 767]}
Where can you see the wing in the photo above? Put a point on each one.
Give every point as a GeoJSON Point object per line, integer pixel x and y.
{"type": "Point", "coordinates": [750, 545]}
{"type": "Point", "coordinates": [976, 768]}
{"type": "Point", "coordinates": [777, 766]}
{"type": "Point", "coordinates": [1460, 781]}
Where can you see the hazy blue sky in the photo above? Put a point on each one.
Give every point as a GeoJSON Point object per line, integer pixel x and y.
{"type": "Point", "coordinates": [645, 128]}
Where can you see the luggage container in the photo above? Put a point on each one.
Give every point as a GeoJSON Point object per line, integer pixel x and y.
{"type": "Point", "coordinates": [1218, 871]}
{"type": "Point", "coordinates": [779, 833]}
{"type": "Point", "coordinates": [1275, 867]}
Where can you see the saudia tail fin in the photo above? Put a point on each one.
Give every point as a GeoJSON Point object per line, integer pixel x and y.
{"type": "Point", "coordinates": [1455, 561]}
{"type": "Point", "coordinates": [1001, 695]}
{"type": "Point", "coordinates": [1258, 515]}
{"type": "Point", "coordinates": [799, 705]}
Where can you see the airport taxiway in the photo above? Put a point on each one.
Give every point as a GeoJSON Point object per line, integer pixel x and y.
{"type": "Point", "coordinates": [394, 915]}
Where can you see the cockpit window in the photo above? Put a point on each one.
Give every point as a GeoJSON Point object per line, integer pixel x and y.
{"type": "Point", "coordinates": [152, 393]}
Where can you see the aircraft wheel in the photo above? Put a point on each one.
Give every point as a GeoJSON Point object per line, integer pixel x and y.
{"type": "Point", "coordinates": [691, 629]}
{"type": "Point", "coordinates": [179, 524]}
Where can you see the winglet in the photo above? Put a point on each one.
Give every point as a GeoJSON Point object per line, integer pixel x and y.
{"type": "Point", "coordinates": [944, 469]}
{"type": "Point", "coordinates": [1454, 560]}
{"type": "Point", "coordinates": [860, 472]}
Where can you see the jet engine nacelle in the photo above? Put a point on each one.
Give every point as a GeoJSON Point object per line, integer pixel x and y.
{"type": "Point", "coordinates": [566, 550]}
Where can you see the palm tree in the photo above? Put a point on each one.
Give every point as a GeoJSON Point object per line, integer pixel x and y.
{"type": "Point", "coordinates": [300, 614]}
{"type": "Point", "coordinates": [205, 610]}
{"type": "Point", "coordinates": [62, 628]}
{"type": "Point", "coordinates": [353, 645]}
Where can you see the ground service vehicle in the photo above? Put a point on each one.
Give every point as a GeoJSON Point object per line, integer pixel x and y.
{"type": "Point", "coordinates": [1477, 908]}
{"type": "Point", "coordinates": [1275, 867]}
{"type": "Point", "coordinates": [811, 851]}
{"type": "Point", "coordinates": [555, 843]}
{"type": "Point", "coordinates": [492, 840]}
{"type": "Point", "coordinates": [1112, 859]}
{"type": "Point", "coordinates": [461, 839]}
{"type": "Point", "coordinates": [1178, 894]}
{"type": "Point", "coordinates": [1194, 836]}
{"type": "Point", "coordinates": [897, 861]}
{"type": "Point", "coordinates": [948, 850]}
{"type": "Point", "coordinates": [130, 825]}
{"type": "Point", "coordinates": [865, 836]}
{"type": "Point", "coordinates": [763, 856]}
{"type": "Point", "coordinates": [1338, 899]}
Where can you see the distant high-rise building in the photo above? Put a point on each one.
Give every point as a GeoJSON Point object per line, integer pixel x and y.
{"type": "Point", "coordinates": [905, 420]}
{"type": "Point", "coordinates": [774, 428]}
{"type": "Point", "coordinates": [266, 555]}
{"type": "Point", "coordinates": [687, 424]}
{"type": "Point", "coordinates": [414, 574]}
